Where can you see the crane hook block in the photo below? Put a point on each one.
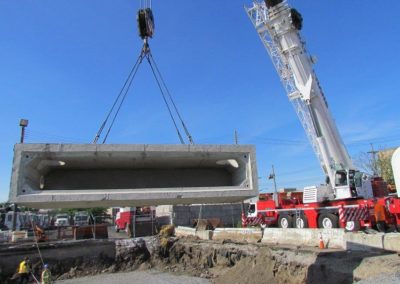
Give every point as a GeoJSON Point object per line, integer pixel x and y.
{"type": "Point", "coordinates": [145, 22]}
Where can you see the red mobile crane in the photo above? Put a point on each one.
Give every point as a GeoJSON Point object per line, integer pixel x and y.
{"type": "Point", "coordinates": [347, 199]}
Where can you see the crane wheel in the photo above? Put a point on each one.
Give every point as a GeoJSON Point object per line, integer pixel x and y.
{"type": "Point", "coordinates": [300, 222]}
{"type": "Point", "coordinates": [328, 221]}
{"type": "Point", "coordinates": [285, 221]}
{"type": "Point", "coordinates": [352, 226]}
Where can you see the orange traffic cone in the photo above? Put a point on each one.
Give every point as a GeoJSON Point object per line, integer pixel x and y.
{"type": "Point", "coordinates": [321, 242]}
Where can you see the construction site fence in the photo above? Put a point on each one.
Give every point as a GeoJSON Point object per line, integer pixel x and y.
{"type": "Point", "coordinates": [35, 227]}
{"type": "Point", "coordinates": [29, 226]}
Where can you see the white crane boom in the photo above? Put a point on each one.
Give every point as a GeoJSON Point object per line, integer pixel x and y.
{"type": "Point", "coordinates": [278, 26]}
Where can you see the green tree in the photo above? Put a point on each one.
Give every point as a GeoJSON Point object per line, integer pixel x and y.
{"type": "Point", "coordinates": [98, 211]}
{"type": "Point", "coordinates": [384, 164]}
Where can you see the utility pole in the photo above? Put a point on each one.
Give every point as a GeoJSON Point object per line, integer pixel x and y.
{"type": "Point", "coordinates": [374, 164]}
{"type": "Point", "coordinates": [236, 137]}
{"type": "Point", "coordinates": [272, 176]}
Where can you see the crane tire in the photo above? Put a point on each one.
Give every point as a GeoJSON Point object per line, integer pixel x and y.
{"type": "Point", "coordinates": [328, 221]}
{"type": "Point", "coordinates": [352, 226]}
{"type": "Point", "coordinates": [300, 222]}
{"type": "Point", "coordinates": [285, 221]}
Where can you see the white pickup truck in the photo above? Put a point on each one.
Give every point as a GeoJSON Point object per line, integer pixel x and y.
{"type": "Point", "coordinates": [62, 220]}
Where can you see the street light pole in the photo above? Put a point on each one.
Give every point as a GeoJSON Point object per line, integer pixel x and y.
{"type": "Point", "coordinates": [23, 123]}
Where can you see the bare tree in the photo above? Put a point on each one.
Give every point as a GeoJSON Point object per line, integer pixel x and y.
{"type": "Point", "coordinates": [364, 162]}
{"type": "Point", "coordinates": [382, 166]}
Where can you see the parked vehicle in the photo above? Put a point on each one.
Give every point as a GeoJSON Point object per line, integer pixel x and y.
{"type": "Point", "coordinates": [62, 220]}
{"type": "Point", "coordinates": [81, 218]}
{"type": "Point", "coordinates": [126, 216]}
{"type": "Point", "coordinates": [19, 222]}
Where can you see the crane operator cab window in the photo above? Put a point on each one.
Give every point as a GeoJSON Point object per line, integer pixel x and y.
{"type": "Point", "coordinates": [354, 180]}
{"type": "Point", "coordinates": [252, 208]}
{"type": "Point", "coordinates": [341, 178]}
{"type": "Point", "coordinates": [358, 177]}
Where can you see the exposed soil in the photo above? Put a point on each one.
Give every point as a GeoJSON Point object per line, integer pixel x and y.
{"type": "Point", "coordinates": [257, 263]}
{"type": "Point", "coordinates": [229, 262]}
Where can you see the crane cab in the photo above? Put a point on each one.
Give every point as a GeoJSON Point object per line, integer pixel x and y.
{"type": "Point", "coordinates": [352, 184]}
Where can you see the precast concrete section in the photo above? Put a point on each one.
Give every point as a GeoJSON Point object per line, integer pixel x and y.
{"type": "Point", "coordinates": [90, 175]}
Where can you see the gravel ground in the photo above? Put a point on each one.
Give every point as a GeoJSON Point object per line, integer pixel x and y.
{"type": "Point", "coordinates": [137, 277]}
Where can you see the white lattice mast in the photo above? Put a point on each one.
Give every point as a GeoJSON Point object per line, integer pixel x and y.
{"type": "Point", "coordinates": [278, 26]}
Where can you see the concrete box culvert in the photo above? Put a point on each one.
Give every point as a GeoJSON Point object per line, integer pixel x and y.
{"type": "Point", "coordinates": [87, 175]}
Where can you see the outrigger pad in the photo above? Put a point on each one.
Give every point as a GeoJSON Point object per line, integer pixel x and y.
{"type": "Point", "coordinates": [90, 175]}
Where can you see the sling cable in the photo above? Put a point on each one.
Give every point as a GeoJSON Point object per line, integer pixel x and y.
{"type": "Point", "coordinates": [145, 21]}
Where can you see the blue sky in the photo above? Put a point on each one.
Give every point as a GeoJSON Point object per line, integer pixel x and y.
{"type": "Point", "coordinates": [63, 62]}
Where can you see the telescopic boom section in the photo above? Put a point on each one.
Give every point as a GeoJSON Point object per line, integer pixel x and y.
{"type": "Point", "coordinates": [278, 26]}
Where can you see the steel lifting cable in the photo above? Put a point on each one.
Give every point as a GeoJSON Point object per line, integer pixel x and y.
{"type": "Point", "coordinates": [123, 98]}
{"type": "Point", "coordinates": [125, 89]}
{"type": "Point", "coordinates": [128, 79]}
{"type": "Point", "coordinates": [150, 58]}
{"type": "Point", "coordinates": [166, 102]}
{"type": "Point", "coordinates": [145, 4]}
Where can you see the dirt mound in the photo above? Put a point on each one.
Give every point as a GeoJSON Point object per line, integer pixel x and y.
{"type": "Point", "coordinates": [266, 267]}
{"type": "Point", "coordinates": [232, 262]}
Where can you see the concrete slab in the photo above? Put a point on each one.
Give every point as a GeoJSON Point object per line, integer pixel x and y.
{"type": "Point", "coordinates": [391, 241]}
{"type": "Point", "coordinates": [363, 242]}
{"type": "Point", "coordinates": [181, 231]}
{"type": "Point", "coordinates": [333, 238]}
{"type": "Point", "coordinates": [185, 231]}
{"type": "Point", "coordinates": [204, 234]}
{"type": "Point", "coordinates": [251, 235]}
{"type": "Point", "coordinates": [88, 175]}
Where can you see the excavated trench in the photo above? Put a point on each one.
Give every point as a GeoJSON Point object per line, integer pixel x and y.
{"type": "Point", "coordinates": [220, 262]}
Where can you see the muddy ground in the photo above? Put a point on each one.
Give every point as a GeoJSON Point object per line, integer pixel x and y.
{"type": "Point", "coordinates": [230, 262]}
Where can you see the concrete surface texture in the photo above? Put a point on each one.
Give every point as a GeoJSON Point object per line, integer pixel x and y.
{"type": "Point", "coordinates": [88, 175]}
{"type": "Point", "coordinates": [184, 215]}
{"type": "Point", "coordinates": [333, 238]}
{"type": "Point", "coordinates": [250, 235]}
